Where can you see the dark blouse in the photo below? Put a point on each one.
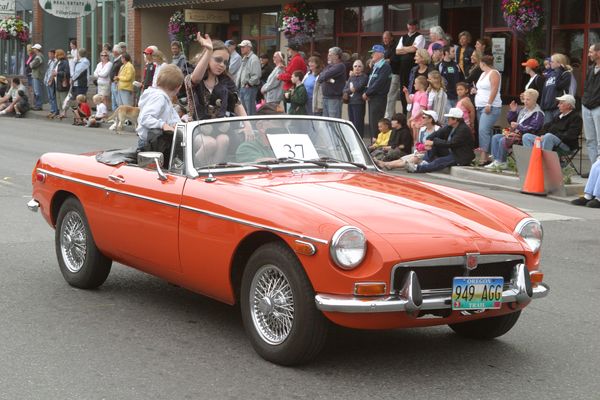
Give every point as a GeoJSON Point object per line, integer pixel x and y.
{"type": "Point", "coordinates": [219, 103]}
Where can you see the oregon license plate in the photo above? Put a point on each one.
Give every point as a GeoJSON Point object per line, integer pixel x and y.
{"type": "Point", "coordinates": [477, 293]}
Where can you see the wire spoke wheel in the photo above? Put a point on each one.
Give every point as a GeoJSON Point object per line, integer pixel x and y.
{"type": "Point", "coordinates": [272, 304]}
{"type": "Point", "coordinates": [73, 241]}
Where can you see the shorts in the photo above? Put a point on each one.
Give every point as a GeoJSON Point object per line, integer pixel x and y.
{"type": "Point", "coordinates": [104, 89]}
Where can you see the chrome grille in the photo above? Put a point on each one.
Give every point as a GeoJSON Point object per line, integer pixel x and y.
{"type": "Point", "coordinates": [437, 273]}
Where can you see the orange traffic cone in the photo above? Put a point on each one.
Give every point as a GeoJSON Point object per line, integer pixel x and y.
{"type": "Point", "coordinates": [534, 181]}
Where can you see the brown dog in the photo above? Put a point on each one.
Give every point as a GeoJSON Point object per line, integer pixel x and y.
{"type": "Point", "coordinates": [121, 114]}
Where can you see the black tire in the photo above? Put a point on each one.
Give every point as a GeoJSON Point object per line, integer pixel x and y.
{"type": "Point", "coordinates": [306, 330]}
{"type": "Point", "coordinates": [487, 328]}
{"type": "Point", "coordinates": [81, 263]}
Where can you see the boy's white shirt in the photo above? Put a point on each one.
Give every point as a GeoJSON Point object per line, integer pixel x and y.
{"type": "Point", "coordinates": [156, 110]}
{"type": "Point", "coordinates": [101, 110]}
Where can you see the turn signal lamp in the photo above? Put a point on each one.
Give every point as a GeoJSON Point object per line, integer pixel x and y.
{"type": "Point", "coordinates": [369, 288]}
{"type": "Point", "coordinates": [536, 277]}
{"type": "Point", "coordinates": [40, 177]}
{"type": "Point", "coordinates": [308, 249]}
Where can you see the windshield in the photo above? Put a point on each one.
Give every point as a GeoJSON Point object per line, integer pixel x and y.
{"type": "Point", "coordinates": [276, 140]}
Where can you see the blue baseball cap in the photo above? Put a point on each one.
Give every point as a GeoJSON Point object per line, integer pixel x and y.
{"type": "Point", "coordinates": [436, 46]}
{"type": "Point", "coordinates": [377, 49]}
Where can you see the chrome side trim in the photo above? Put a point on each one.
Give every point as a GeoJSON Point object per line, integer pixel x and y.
{"type": "Point", "coordinates": [72, 179]}
{"type": "Point", "coordinates": [33, 205]}
{"type": "Point", "coordinates": [193, 209]}
{"type": "Point", "coordinates": [107, 189]}
{"type": "Point", "coordinates": [141, 197]}
{"type": "Point", "coordinates": [253, 224]}
{"type": "Point", "coordinates": [454, 260]}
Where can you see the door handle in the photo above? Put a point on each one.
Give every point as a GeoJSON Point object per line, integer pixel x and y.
{"type": "Point", "coordinates": [115, 178]}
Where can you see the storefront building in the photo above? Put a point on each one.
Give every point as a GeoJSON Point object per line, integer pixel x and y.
{"type": "Point", "coordinates": [356, 25]}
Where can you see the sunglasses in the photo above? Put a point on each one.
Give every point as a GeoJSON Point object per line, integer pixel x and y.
{"type": "Point", "coordinates": [103, 55]}
{"type": "Point", "coordinates": [220, 60]}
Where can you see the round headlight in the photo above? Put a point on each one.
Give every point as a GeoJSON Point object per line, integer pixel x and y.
{"type": "Point", "coordinates": [531, 231]}
{"type": "Point", "coordinates": [348, 247]}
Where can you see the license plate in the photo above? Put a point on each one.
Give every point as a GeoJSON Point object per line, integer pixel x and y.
{"type": "Point", "coordinates": [477, 293]}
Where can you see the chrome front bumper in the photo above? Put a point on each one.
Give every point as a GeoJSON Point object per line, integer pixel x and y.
{"type": "Point", "coordinates": [411, 299]}
{"type": "Point", "coordinates": [33, 205]}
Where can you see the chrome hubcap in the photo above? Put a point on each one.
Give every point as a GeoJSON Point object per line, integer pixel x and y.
{"type": "Point", "coordinates": [272, 304]}
{"type": "Point", "coordinates": [73, 241]}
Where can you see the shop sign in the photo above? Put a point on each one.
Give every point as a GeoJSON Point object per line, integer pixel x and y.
{"type": "Point", "coordinates": [499, 52]}
{"type": "Point", "coordinates": [207, 16]}
{"type": "Point", "coordinates": [68, 8]}
{"type": "Point", "coordinates": [7, 8]}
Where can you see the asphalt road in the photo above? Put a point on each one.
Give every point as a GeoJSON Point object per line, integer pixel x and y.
{"type": "Point", "coordinates": [138, 337]}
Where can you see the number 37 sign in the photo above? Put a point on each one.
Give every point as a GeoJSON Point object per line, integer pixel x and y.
{"type": "Point", "coordinates": [293, 146]}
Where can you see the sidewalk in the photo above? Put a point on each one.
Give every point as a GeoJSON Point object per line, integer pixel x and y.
{"type": "Point", "coordinates": [69, 120]}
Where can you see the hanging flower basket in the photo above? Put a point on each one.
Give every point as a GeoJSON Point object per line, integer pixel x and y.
{"type": "Point", "coordinates": [298, 21]}
{"type": "Point", "coordinates": [14, 28]}
{"type": "Point", "coordinates": [526, 18]}
{"type": "Point", "coordinates": [523, 16]}
{"type": "Point", "coordinates": [180, 30]}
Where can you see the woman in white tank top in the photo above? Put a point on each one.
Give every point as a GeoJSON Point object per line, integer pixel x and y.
{"type": "Point", "coordinates": [488, 104]}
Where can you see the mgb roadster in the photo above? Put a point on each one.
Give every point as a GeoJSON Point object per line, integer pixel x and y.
{"type": "Point", "coordinates": [290, 218]}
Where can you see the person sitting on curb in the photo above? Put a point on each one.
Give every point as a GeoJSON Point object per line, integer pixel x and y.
{"type": "Point", "coordinates": [429, 127]}
{"type": "Point", "coordinates": [8, 101]}
{"type": "Point", "coordinates": [22, 104]}
{"type": "Point", "coordinates": [529, 119]}
{"type": "Point", "coordinates": [564, 130]}
{"type": "Point", "coordinates": [450, 145]}
{"type": "Point", "coordinates": [592, 189]}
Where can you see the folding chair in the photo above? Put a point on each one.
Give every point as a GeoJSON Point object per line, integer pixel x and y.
{"type": "Point", "coordinates": [567, 157]}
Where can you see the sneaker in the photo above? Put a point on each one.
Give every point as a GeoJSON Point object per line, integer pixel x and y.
{"type": "Point", "coordinates": [491, 165]}
{"type": "Point", "coordinates": [594, 203]}
{"type": "Point", "coordinates": [502, 165]}
{"type": "Point", "coordinates": [582, 201]}
{"type": "Point", "coordinates": [585, 175]}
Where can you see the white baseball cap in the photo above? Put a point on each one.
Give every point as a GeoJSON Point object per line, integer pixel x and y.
{"type": "Point", "coordinates": [567, 98]}
{"type": "Point", "coordinates": [245, 43]}
{"type": "Point", "coordinates": [432, 114]}
{"type": "Point", "coordinates": [454, 113]}
{"type": "Point", "coordinates": [37, 46]}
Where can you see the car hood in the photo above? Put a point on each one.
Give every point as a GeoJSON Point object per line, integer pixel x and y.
{"type": "Point", "coordinates": [398, 209]}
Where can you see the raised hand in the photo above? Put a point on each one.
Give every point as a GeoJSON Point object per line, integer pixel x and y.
{"type": "Point", "coordinates": [205, 41]}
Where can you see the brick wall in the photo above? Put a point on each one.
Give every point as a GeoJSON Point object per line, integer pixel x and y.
{"type": "Point", "coordinates": [38, 23]}
{"type": "Point", "coordinates": [134, 37]}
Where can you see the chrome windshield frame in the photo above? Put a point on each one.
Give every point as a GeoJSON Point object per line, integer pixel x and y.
{"type": "Point", "coordinates": [191, 126]}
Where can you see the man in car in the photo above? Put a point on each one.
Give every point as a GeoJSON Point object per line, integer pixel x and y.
{"type": "Point", "coordinates": [259, 149]}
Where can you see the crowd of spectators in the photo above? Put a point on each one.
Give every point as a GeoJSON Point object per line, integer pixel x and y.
{"type": "Point", "coordinates": [432, 81]}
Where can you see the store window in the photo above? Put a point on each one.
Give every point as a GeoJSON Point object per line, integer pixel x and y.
{"type": "Point", "coordinates": [496, 19]}
{"type": "Point", "coordinates": [428, 14]}
{"type": "Point", "coordinates": [325, 33]}
{"type": "Point", "coordinates": [350, 17]}
{"type": "Point", "coordinates": [262, 30]}
{"type": "Point", "coordinates": [372, 19]}
{"type": "Point", "coordinates": [571, 43]}
{"type": "Point", "coordinates": [570, 12]}
{"type": "Point", "coordinates": [399, 15]}
{"type": "Point", "coordinates": [595, 12]}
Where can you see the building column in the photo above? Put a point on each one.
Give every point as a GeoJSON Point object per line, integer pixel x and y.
{"type": "Point", "coordinates": [104, 23]}
{"type": "Point", "coordinates": [116, 12]}
{"type": "Point", "coordinates": [93, 50]}
{"type": "Point", "coordinates": [37, 23]}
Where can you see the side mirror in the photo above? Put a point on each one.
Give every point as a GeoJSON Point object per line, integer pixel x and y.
{"type": "Point", "coordinates": [149, 159]}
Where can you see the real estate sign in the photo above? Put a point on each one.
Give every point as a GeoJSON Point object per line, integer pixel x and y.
{"type": "Point", "coordinates": [68, 8]}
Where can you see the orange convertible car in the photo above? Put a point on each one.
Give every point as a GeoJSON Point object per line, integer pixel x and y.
{"type": "Point", "coordinates": [290, 217]}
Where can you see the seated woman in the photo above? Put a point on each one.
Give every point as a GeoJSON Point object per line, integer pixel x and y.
{"type": "Point", "coordinates": [529, 119]}
{"type": "Point", "coordinates": [212, 94]}
{"type": "Point", "coordinates": [429, 127]}
{"type": "Point", "coordinates": [401, 140]}
{"type": "Point", "coordinates": [592, 189]}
